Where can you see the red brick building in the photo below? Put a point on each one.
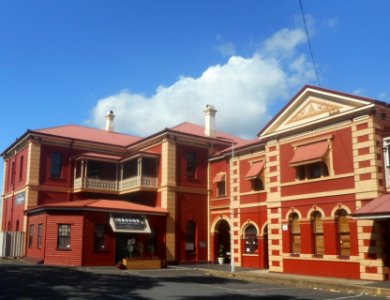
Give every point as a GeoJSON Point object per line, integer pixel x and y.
{"type": "Point", "coordinates": [308, 196]}
{"type": "Point", "coordinates": [303, 197]}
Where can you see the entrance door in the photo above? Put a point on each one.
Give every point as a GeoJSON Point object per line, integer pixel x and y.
{"type": "Point", "coordinates": [222, 239]}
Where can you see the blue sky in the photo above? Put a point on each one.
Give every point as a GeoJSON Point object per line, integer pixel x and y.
{"type": "Point", "coordinates": [158, 63]}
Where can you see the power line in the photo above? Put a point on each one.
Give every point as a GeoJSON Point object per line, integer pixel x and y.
{"type": "Point", "coordinates": [309, 44]}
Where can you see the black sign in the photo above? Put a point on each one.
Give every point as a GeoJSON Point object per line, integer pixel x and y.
{"type": "Point", "coordinates": [129, 222]}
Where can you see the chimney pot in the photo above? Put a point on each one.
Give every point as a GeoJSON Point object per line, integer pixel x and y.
{"type": "Point", "coordinates": [110, 121]}
{"type": "Point", "coordinates": [209, 128]}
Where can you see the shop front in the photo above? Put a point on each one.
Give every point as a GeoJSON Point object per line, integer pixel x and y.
{"type": "Point", "coordinates": [95, 233]}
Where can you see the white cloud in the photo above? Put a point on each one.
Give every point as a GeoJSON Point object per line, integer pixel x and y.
{"type": "Point", "coordinates": [331, 23]}
{"type": "Point", "coordinates": [226, 49]}
{"type": "Point", "coordinates": [358, 92]}
{"type": "Point", "coordinates": [242, 90]}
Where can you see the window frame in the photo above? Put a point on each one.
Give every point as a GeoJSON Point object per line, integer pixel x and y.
{"type": "Point", "coordinates": [318, 233]}
{"type": "Point", "coordinates": [64, 236]}
{"type": "Point", "coordinates": [99, 237]}
{"type": "Point", "coordinates": [39, 236]}
{"type": "Point", "coordinates": [21, 162]}
{"type": "Point", "coordinates": [295, 233]}
{"type": "Point", "coordinates": [190, 237]}
{"type": "Point", "coordinates": [251, 240]}
{"type": "Point", "coordinates": [343, 236]}
{"type": "Point", "coordinates": [191, 165]}
{"type": "Point", "coordinates": [56, 164]}
{"type": "Point", "coordinates": [31, 236]}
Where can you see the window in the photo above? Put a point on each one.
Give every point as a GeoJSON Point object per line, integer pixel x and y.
{"type": "Point", "coordinates": [257, 184]}
{"type": "Point", "coordinates": [99, 237]}
{"type": "Point", "coordinates": [312, 171]}
{"type": "Point", "coordinates": [39, 239]}
{"type": "Point", "coordinates": [318, 233]}
{"type": "Point", "coordinates": [343, 233]}
{"type": "Point", "coordinates": [21, 168]}
{"type": "Point", "coordinates": [12, 177]}
{"type": "Point", "coordinates": [251, 242]}
{"type": "Point", "coordinates": [295, 233]}
{"type": "Point", "coordinates": [221, 188]}
{"type": "Point", "coordinates": [63, 240]}
{"type": "Point", "coordinates": [191, 165]}
{"type": "Point", "coordinates": [31, 236]}
{"type": "Point", "coordinates": [56, 165]}
{"type": "Point", "coordinates": [219, 179]}
{"type": "Point", "coordinates": [191, 236]}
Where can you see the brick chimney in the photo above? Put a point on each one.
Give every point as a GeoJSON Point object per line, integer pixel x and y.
{"type": "Point", "coordinates": [209, 128]}
{"type": "Point", "coordinates": [110, 121]}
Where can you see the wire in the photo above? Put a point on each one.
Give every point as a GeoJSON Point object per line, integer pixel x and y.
{"type": "Point", "coordinates": [309, 43]}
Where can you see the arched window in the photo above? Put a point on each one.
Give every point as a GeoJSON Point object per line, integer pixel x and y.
{"type": "Point", "coordinates": [251, 242]}
{"type": "Point", "coordinates": [343, 233]}
{"type": "Point", "coordinates": [318, 233]}
{"type": "Point", "coordinates": [295, 233]}
{"type": "Point", "coordinates": [191, 236]}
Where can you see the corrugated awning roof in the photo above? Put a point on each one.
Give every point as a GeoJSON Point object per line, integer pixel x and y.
{"type": "Point", "coordinates": [102, 205]}
{"type": "Point", "coordinates": [255, 170]}
{"type": "Point", "coordinates": [310, 153]}
{"type": "Point", "coordinates": [219, 177]}
{"type": "Point", "coordinates": [378, 208]}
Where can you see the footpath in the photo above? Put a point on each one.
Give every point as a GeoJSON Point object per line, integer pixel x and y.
{"type": "Point", "coordinates": [373, 288]}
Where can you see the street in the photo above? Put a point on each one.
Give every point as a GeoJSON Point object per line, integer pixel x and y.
{"type": "Point", "coordinates": [28, 281]}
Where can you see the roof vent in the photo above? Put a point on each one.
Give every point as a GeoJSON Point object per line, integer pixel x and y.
{"type": "Point", "coordinates": [110, 121]}
{"type": "Point", "coordinates": [209, 128]}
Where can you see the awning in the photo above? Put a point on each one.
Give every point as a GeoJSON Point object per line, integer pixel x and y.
{"type": "Point", "coordinates": [219, 177]}
{"type": "Point", "coordinates": [255, 170]}
{"type": "Point", "coordinates": [378, 208]}
{"type": "Point", "coordinates": [129, 223]}
{"type": "Point", "coordinates": [310, 153]}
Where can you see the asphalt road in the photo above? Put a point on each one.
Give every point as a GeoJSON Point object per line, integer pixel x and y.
{"type": "Point", "coordinates": [25, 281]}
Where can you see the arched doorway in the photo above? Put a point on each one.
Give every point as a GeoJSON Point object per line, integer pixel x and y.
{"type": "Point", "coordinates": [222, 238]}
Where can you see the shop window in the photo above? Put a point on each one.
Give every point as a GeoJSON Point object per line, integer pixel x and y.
{"type": "Point", "coordinates": [318, 233]}
{"type": "Point", "coordinates": [251, 241]}
{"type": "Point", "coordinates": [63, 238]}
{"type": "Point", "coordinates": [21, 168]}
{"type": "Point", "coordinates": [191, 165]}
{"type": "Point", "coordinates": [56, 165]}
{"type": "Point", "coordinates": [343, 233]}
{"type": "Point", "coordinates": [99, 237]}
{"type": "Point", "coordinates": [312, 171]}
{"type": "Point", "coordinates": [152, 242]}
{"type": "Point", "coordinates": [39, 237]}
{"type": "Point", "coordinates": [191, 236]}
{"type": "Point", "coordinates": [295, 233]}
{"type": "Point", "coordinates": [31, 236]}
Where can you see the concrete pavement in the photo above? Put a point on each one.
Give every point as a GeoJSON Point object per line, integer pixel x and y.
{"type": "Point", "coordinates": [373, 288]}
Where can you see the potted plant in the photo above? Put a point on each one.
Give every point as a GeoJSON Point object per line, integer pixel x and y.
{"type": "Point", "coordinates": [221, 255]}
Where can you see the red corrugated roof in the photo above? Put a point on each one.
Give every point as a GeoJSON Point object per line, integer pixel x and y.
{"type": "Point", "coordinates": [90, 134]}
{"type": "Point", "coordinates": [101, 204]}
{"type": "Point", "coordinates": [194, 129]}
{"type": "Point", "coordinates": [100, 156]}
{"type": "Point", "coordinates": [375, 209]}
{"type": "Point", "coordinates": [255, 169]}
{"type": "Point", "coordinates": [310, 153]}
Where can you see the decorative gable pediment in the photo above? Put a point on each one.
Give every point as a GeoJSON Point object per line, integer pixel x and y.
{"type": "Point", "coordinates": [311, 106]}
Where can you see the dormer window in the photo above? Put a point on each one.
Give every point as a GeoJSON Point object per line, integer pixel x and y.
{"type": "Point", "coordinates": [311, 160]}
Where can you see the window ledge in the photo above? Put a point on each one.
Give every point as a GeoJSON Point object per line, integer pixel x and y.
{"type": "Point", "coordinates": [251, 254]}
{"type": "Point", "coordinates": [343, 257]}
{"type": "Point", "coordinates": [295, 255]}
{"type": "Point", "coordinates": [63, 249]}
{"type": "Point", "coordinates": [318, 256]}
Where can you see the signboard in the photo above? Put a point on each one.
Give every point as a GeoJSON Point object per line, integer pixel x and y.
{"type": "Point", "coordinates": [129, 223]}
{"type": "Point", "coordinates": [19, 198]}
